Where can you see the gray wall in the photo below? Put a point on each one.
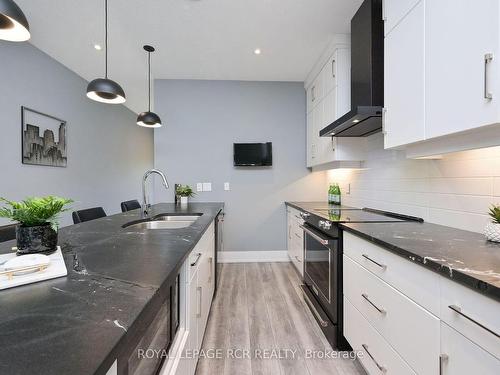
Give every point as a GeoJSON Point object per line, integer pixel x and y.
{"type": "Point", "coordinates": [202, 119]}
{"type": "Point", "coordinates": [107, 152]}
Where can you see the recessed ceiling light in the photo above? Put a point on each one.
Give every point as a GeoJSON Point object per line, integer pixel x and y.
{"type": "Point", "coordinates": [97, 47]}
{"type": "Point", "coordinates": [257, 51]}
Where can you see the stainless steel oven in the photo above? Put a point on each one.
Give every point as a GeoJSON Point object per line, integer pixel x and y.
{"type": "Point", "coordinates": [322, 287]}
{"type": "Point", "coordinates": [320, 266]}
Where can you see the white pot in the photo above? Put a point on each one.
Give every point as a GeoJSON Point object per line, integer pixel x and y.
{"type": "Point", "coordinates": [184, 200]}
{"type": "Point", "coordinates": [492, 232]}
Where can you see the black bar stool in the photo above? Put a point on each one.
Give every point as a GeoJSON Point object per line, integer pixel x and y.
{"type": "Point", "coordinates": [130, 205]}
{"type": "Point", "coordinates": [88, 214]}
{"type": "Point", "coordinates": [8, 232]}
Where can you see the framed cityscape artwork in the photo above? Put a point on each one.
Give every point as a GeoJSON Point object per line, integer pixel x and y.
{"type": "Point", "coordinates": [43, 139]}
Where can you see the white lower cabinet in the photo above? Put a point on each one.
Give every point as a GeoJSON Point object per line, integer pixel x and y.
{"type": "Point", "coordinates": [397, 327]}
{"type": "Point", "coordinates": [390, 313]}
{"type": "Point", "coordinates": [198, 288]}
{"type": "Point", "coordinates": [295, 239]}
{"type": "Point", "coordinates": [376, 355]}
{"type": "Point", "coordinates": [460, 356]}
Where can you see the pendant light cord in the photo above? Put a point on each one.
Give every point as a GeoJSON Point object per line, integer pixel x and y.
{"type": "Point", "coordinates": [149, 81]}
{"type": "Point", "coordinates": [106, 37]}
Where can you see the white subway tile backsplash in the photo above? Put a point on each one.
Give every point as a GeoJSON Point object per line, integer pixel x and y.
{"type": "Point", "coordinates": [456, 190]}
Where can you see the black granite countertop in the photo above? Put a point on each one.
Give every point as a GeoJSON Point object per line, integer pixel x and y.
{"type": "Point", "coordinates": [78, 324]}
{"type": "Point", "coordinates": [463, 256]}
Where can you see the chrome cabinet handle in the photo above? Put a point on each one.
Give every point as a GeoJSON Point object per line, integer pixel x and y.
{"type": "Point", "coordinates": [458, 310]}
{"type": "Point", "coordinates": [210, 262]}
{"type": "Point", "coordinates": [442, 359]}
{"type": "Point", "coordinates": [198, 256]}
{"type": "Point", "coordinates": [321, 240]}
{"type": "Point", "coordinates": [298, 259]}
{"type": "Point", "coordinates": [321, 321]}
{"type": "Point", "coordinates": [290, 232]}
{"type": "Point", "coordinates": [313, 97]}
{"type": "Point", "coordinates": [487, 60]}
{"type": "Point", "coordinates": [380, 310]}
{"type": "Point", "coordinates": [333, 68]}
{"type": "Point", "coordinates": [383, 266]}
{"type": "Point", "coordinates": [297, 235]}
{"type": "Point", "coordinates": [200, 290]}
{"type": "Point", "coordinates": [384, 112]}
{"type": "Point", "coordinates": [382, 369]}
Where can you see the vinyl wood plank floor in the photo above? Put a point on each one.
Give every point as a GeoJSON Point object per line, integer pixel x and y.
{"type": "Point", "coordinates": [260, 325]}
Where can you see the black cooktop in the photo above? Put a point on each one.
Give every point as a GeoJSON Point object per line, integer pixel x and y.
{"type": "Point", "coordinates": [351, 215]}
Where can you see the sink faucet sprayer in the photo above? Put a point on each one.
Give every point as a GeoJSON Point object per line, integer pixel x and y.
{"type": "Point", "coordinates": [145, 204]}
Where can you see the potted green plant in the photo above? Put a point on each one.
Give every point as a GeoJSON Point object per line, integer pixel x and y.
{"type": "Point", "coordinates": [184, 191]}
{"type": "Point", "coordinates": [38, 222]}
{"type": "Point", "coordinates": [492, 230]}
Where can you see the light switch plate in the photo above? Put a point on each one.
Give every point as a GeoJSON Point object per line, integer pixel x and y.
{"type": "Point", "coordinates": [199, 186]}
{"type": "Point", "coordinates": [226, 186]}
{"type": "Point", "coordinates": [207, 186]}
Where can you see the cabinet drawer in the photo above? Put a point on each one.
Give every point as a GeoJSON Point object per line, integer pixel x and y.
{"type": "Point", "coordinates": [389, 312]}
{"type": "Point", "coordinates": [475, 316]}
{"type": "Point", "coordinates": [463, 357]}
{"type": "Point", "coordinates": [414, 281]}
{"type": "Point", "coordinates": [377, 356]}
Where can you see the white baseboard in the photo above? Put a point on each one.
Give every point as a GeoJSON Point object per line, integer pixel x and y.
{"type": "Point", "coordinates": [252, 256]}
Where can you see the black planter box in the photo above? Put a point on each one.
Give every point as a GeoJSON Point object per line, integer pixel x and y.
{"type": "Point", "coordinates": [37, 239]}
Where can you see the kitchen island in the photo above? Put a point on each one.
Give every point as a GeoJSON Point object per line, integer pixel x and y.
{"type": "Point", "coordinates": [118, 279]}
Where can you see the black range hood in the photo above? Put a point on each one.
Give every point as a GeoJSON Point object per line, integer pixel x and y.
{"type": "Point", "coordinates": [367, 75]}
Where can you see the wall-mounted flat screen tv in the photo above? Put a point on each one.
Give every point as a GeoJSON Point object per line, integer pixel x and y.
{"type": "Point", "coordinates": [253, 154]}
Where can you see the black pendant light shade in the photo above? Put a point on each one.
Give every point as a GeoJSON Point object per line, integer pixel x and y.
{"type": "Point", "coordinates": [105, 90]}
{"type": "Point", "coordinates": [14, 26]}
{"type": "Point", "coordinates": [149, 119]}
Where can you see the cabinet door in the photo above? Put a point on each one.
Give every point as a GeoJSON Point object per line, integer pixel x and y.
{"type": "Point", "coordinates": [342, 69]}
{"type": "Point", "coordinates": [460, 356]}
{"type": "Point", "coordinates": [404, 78]}
{"type": "Point", "coordinates": [459, 34]}
{"type": "Point", "coordinates": [394, 11]}
{"type": "Point", "coordinates": [193, 310]}
{"type": "Point", "coordinates": [310, 139]}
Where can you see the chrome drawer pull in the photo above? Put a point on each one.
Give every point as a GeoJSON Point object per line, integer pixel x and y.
{"type": "Point", "coordinates": [297, 235]}
{"type": "Point", "coordinates": [298, 259]}
{"type": "Point", "coordinates": [380, 310]}
{"type": "Point", "coordinates": [323, 323]}
{"type": "Point", "coordinates": [442, 359]}
{"type": "Point", "coordinates": [198, 313]}
{"type": "Point", "coordinates": [383, 266]}
{"type": "Point", "coordinates": [458, 310]}
{"type": "Point", "coordinates": [198, 256]}
{"type": "Point", "coordinates": [382, 369]}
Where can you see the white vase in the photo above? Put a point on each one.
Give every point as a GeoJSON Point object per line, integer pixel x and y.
{"type": "Point", "coordinates": [492, 232]}
{"type": "Point", "coordinates": [184, 200]}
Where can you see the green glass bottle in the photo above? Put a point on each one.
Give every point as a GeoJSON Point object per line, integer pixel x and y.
{"type": "Point", "coordinates": [336, 195]}
{"type": "Point", "coordinates": [330, 194]}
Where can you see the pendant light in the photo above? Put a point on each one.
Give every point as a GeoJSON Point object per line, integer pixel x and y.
{"type": "Point", "coordinates": [149, 119]}
{"type": "Point", "coordinates": [14, 26]}
{"type": "Point", "coordinates": [105, 90]}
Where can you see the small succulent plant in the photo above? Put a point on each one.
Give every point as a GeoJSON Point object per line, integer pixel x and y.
{"type": "Point", "coordinates": [495, 214]}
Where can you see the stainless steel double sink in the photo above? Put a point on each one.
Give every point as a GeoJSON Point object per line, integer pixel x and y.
{"type": "Point", "coordinates": [165, 221]}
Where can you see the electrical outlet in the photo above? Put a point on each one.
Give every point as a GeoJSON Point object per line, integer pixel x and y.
{"type": "Point", "coordinates": [199, 186]}
{"type": "Point", "coordinates": [207, 186]}
{"type": "Point", "coordinates": [226, 186]}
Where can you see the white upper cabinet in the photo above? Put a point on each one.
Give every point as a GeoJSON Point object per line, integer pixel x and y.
{"type": "Point", "coordinates": [442, 74]}
{"type": "Point", "coordinates": [404, 68]}
{"type": "Point", "coordinates": [461, 89]}
{"type": "Point", "coordinates": [393, 12]}
{"type": "Point", "coordinates": [328, 98]}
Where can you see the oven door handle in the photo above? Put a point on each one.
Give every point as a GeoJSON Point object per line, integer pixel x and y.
{"type": "Point", "coordinates": [317, 237]}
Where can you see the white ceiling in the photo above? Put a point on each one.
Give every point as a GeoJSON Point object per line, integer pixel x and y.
{"type": "Point", "coordinates": [195, 39]}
